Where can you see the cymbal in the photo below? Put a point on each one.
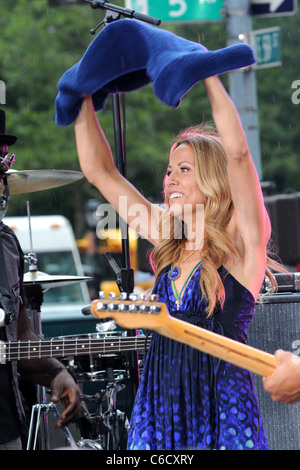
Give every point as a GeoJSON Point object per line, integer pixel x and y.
{"type": "Point", "coordinates": [47, 281]}
{"type": "Point", "coordinates": [29, 181]}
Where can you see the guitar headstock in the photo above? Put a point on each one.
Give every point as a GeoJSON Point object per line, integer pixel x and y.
{"type": "Point", "coordinates": [129, 311]}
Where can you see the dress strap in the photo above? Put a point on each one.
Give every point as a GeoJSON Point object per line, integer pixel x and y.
{"type": "Point", "coordinates": [179, 296]}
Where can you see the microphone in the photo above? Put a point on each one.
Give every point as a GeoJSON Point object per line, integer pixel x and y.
{"type": "Point", "coordinates": [127, 12]}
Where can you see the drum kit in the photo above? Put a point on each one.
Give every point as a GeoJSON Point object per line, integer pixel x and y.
{"type": "Point", "coordinates": [101, 424]}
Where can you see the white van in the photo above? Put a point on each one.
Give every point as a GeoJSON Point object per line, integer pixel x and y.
{"type": "Point", "coordinates": [57, 254]}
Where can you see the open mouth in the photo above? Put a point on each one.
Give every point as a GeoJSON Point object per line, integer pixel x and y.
{"type": "Point", "coordinates": [175, 196]}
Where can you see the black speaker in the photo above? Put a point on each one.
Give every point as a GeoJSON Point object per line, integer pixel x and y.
{"type": "Point", "coordinates": [284, 212]}
{"type": "Point", "coordinates": [276, 325]}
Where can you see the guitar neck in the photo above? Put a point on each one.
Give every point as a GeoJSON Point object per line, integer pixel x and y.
{"type": "Point", "coordinates": [155, 316]}
{"type": "Point", "coordinates": [64, 347]}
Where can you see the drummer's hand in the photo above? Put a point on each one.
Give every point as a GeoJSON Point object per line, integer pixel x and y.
{"type": "Point", "coordinates": [64, 389]}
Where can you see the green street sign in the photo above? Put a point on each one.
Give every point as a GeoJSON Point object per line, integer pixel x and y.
{"type": "Point", "coordinates": [266, 44]}
{"type": "Point", "coordinates": [179, 10]}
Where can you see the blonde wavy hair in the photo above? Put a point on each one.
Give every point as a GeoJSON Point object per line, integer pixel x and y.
{"type": "Point", "coordinates": [218, 247]}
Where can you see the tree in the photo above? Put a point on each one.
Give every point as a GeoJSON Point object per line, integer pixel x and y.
{"type": "Point", "coordinates": [278, 115]}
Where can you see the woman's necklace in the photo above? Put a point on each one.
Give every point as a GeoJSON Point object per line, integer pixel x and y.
{"type": "Point", "coordinates": [175, 271]}
{"type": "Point", "coordinates": [178, 297]}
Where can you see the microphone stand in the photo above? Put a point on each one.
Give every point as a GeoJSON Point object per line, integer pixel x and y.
{"type": "Point", "coordinates": [126, 12]}
{"type": "Point", "coordinates": [126, 275]}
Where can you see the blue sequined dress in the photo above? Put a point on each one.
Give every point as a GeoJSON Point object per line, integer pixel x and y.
{"type": "Point", "coordinates": [188, 399]}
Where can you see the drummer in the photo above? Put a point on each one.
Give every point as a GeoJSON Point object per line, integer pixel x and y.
{"type": "Point", "coordinates": [14, 325]}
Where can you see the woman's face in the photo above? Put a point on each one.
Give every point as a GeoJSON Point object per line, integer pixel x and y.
{"type": "Point", "coordinates": [181, 189]}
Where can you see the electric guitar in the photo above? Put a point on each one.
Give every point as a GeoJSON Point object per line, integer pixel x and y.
{"type": "Point", "coordinates": [70, 346]}
{"type": "Point", "coordinates": [154, 316]}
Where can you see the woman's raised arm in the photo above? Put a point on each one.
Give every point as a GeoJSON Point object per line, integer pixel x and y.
{"type": "Point", "coordinates": [250, 214]}
{"type": "Point", "coordinates": [97, 164]}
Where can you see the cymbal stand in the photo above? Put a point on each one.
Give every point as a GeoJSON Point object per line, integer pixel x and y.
{"type": "Point", "coordinates": [93, 432]}
{"type": "Point", "coordinates": [112, 416]}
{"type": "Point", "coordinates": [101, 429]}
{"type": "Point", "coordinates": [39, 414]}
{"type": "Point", "coordinates": [35, 296]}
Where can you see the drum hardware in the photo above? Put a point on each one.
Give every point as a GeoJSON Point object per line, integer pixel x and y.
{"type": "Point", "coordinates": [92, 425]}
{"type": "Point", "coordinates": [112, 414]}
{"type": "Point", "coordinates": [103, 426]}
{"type": "Point", "coordinates": [35, 284]}
{"type": "Point", "coordinates": [39, 415]}
{"type": "Point", "coordinates": [92, 366]}
{"type": "Point", "coordinates": [34, 294]}
{"type": "Point", "coordinates": [90, 444]}
{"type": "Point", "coordinates": [96, 376]}
{"type": "Point", "coordinates": [100, 422]}
{"type": "Point", "coordinates": [46, 281]}
{"type": "Point", "coordinates": [106, 326]}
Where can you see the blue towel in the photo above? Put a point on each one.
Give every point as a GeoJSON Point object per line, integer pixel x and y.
{"type": "Point", "coordinates": [129, 54]}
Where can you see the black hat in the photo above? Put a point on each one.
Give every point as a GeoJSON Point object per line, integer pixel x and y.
{"type": "Point", "coordinates": [4, 137]}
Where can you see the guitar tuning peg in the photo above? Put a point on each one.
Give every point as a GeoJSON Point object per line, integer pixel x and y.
{"type": "Point", "coordinates": [134, 308]}
{"type": "Point", "coordinates": [155, 309]}
{"type": "Point", "coordinates": [101, 294]}
{"type": "Point", "coordinates": [145, 308]}
{"type": "Point", "coordinates": [154, 298]}
{"type": "Point", "coordinates": [112, 295]}
{"type": "Point", "coordinates": [101, 306]}
{"type": "Point", "coordinates": [123, 296]}
{"type": "Point", "coordinates": [133, 297]}
{"type": "Point", "coordinates": [112, 306]}
{"type": "Point", "coordinates": [144, 297]}
{"type": "Point", "coordinates": [123, 307]}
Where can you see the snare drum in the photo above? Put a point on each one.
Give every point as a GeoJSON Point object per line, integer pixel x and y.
{"type": "Point", "coordinates": [95, 356]}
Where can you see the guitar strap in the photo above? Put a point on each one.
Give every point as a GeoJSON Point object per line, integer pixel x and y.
{"type": "Point", "coordinates": [6, 301]}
